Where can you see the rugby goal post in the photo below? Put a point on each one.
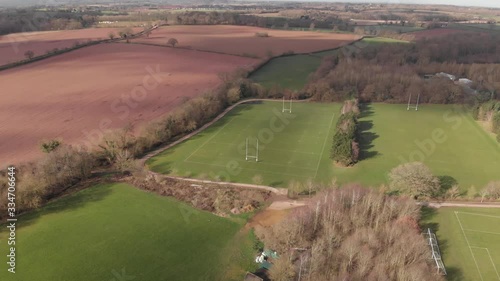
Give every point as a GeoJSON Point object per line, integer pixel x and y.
{"type": "Point", "coordinates": [252, 156]}
{"type": "Point", "coordinates": [410, 104]}
{"type": "Point", "coordinates": [287, 106]}
{"type": "Point", "coordinates": [435, 253]}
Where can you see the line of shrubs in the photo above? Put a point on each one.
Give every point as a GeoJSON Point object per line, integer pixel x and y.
{"type": "Point", "coordinates": [489, 112]}
{"type": "Point", "coordinates": [64, 166]}
{"type": "Point", "coordinates": [345, 148]}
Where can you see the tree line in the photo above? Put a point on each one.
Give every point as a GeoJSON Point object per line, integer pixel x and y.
{"type": "Point", "coordinates": [33, 19]}
{"type": "Point", "coordinates": [236, 18]}
{"type": "Point", "coordinates": [391, 72]}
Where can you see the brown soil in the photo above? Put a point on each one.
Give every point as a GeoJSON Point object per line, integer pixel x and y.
{"type": "Point", "coordinates": [78, 95]}
{"type": "Point", "coordinates": [241, 40]}
{"type": "Point", "coordinates": [13, 46]}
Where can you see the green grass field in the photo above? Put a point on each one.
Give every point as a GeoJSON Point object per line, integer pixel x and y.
{"type": "Point", "coordinates": [379, 40]}
{"type": "Point", "coordinates": [443, 137]}
{"type": "Point", "coordinates": [292, 72]}
{"type": "Point", "coordinates": [103, 231]}
{"type": "Point", "coordinates": [397, 28]}
{"type": "Point", "coordinates": [469, 240]}
{"type": "Point", "coordinates": [292, 146]}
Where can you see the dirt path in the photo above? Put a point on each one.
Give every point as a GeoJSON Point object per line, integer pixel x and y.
{"type": "Point", "coordinates": [460, 204]}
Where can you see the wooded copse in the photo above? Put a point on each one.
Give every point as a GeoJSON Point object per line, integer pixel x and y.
{"type": "Point", "coordinates": [345, 147]}
{"type": "Point", "coordinates": [489, 112]}
{"type": "Point", "coordinates": [33, 19]}
{"type": "Point", "coordinates": [391, 72]}
{"type": "Point", "coordinates": [351, 233]}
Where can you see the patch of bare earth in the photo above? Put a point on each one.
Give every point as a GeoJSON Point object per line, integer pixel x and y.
{"type": "Point", "coordinates": [78, 95]}
{"type": "Point", "coordinates": [242, 40]}
{"type": "Point", "coordinates": [13, 46]}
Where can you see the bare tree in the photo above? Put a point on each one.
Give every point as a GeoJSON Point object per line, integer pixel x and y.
{"type": "Point", "coordinates": [282, 269]}
{"type": "Point", "coordinates": [350, 234]}
{"type": "Point", "coordinates": [111, 35]}
{"type": "Point", "coordinates": [172, 42]}
{"type": "Point", "coordinates": [29, 54]}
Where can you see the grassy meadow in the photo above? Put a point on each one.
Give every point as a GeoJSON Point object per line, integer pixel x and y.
{"type": "Point", "coordinates": [444, 137]}
{"type": "Point", "coordinates": [113, 230]}
{"type": "Point", "coordinates": [469, 240]}
{"type": "Point", "coordinates": [291, 146]}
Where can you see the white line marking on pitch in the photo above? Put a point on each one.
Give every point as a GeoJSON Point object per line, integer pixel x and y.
{"type": "Point", "coordinates": [209, 139]}
{"type": "Point", "coordinates": [494, 266]}
{"type": "Point", "coordinates": [476, 214]}
{"type": "Point", "coordinates": [468, 244]}
{"type": "Point", "coordinates": [488, 251]}
{"type": "Point", "coordinates": [323, 149]}
{"type": "Point", "coordinates": [487, 232]}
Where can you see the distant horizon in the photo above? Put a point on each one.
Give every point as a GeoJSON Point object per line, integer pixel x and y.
{"type": "Point", "coordinates": [462, 3]}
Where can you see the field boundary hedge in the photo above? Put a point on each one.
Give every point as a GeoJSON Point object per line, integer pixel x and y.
{"type": "Point", "coordinates": [50, 54]}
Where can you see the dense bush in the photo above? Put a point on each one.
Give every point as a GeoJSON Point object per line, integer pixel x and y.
{"type": "Point", "coordinates": [414, 179]}
{"type": "Point", "coordinates": [345, 148]}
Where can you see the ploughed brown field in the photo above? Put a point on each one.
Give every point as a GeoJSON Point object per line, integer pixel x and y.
{"type": "Point", "coordinates": [241, 40]}
{"type": "Point", "coordinates": [77, 95]}
{"type": "Point", "coordinates": [13, 46]}
{"type": "Point", "coordinates": [436, 32]}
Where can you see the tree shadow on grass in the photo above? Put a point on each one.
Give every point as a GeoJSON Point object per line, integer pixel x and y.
{"type": "Point", "coordinates": [445, 183]}
{"type": "Point", "coordinates": [66, 203]}
{"type": "Point", "coordinates": [365, 135]}
{"type": "Point", "coordinates": [366, 139]}
{"type": "Point", "coordinates": [426, 216]}
{"type": "Point", "coordinates": [365, 110]}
